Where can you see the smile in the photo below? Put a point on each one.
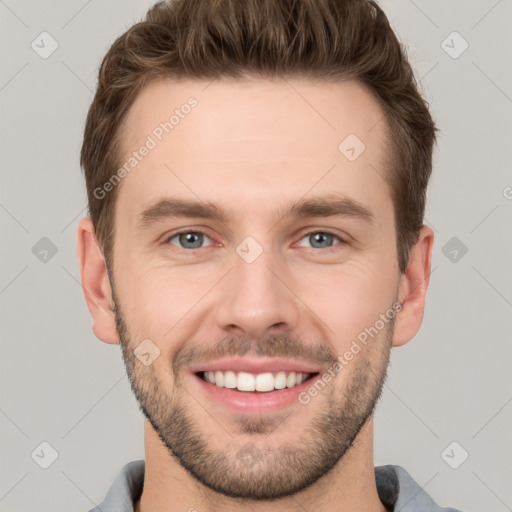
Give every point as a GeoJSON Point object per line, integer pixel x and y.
{"type": "Point", "coordinates": [252, 386]}
{"type": "Point", "coordinates": [261, 382]}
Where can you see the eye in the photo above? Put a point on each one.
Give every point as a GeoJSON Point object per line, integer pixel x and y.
{"type": "Point", "coordinates": [195, 239]}
{"type": "Point", "coordinates": [320, 239]}
{"type": "Point", "coordinates": [188, 239]}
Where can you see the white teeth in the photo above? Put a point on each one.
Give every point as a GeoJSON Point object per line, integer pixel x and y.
{"type": "Point", "coordinates": [219, 379]}
{"type": "Point", "coordinates": [280, 380]}
{"type": "Point", "coordinates": [290, 380]}
{"type": "Point", "coordinates": [245, 382]}
{"type": "Point", "coordinates": [261, 382]}
{"type": "Point", "coordinates": [230, 379]}
{"type": "Point", "coordinates": [264, 382]}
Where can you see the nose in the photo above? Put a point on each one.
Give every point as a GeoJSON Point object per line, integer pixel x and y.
{"type": "Point", "coordinates": [256, 299]}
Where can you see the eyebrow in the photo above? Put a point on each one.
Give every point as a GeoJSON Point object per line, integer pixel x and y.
{"type": "Point", "coordinates": [324, 206]}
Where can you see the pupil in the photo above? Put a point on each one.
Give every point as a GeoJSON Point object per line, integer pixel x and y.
{"type": "Point", "coordinates": [320, 238]}
{"type": "Point", "coordinates": [187, 239]}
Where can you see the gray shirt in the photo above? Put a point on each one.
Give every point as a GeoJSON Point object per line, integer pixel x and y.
{"type": "Point", "coordinates": [397, 490]}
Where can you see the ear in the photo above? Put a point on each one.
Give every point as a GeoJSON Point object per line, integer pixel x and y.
{"type": "Point", "coordinates": [95, 283]}
{"type": "Point", "coordinates": [412, 289]}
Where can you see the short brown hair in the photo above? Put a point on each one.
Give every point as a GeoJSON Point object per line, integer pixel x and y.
{"type": "Point", "coordinates": [321, 39]}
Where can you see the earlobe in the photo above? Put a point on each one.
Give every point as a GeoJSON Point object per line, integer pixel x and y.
{"type": "Point", "coordinates": [413, 288]}
{"type": "Point", "coordinates": [96, 283]}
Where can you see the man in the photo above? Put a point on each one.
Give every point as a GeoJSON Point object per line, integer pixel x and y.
{"type": "Point", "coordinates": [256, 174]}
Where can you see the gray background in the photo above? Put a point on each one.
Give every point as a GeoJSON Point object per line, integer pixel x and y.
{"type": "Point", "coordinates": [61, 385]}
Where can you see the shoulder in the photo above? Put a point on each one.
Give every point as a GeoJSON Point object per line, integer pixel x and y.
{"type": "Point", "coordinates": [125, 490]}
{"type": "Point", "coordinates": [399, 491]}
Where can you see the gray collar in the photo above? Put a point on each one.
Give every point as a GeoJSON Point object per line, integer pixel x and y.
{"type": "Point", "coordinates": [397, 490]}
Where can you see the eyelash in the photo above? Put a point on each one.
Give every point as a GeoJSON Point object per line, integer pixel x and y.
{"type": "Point", "coordinates": [324, 232]}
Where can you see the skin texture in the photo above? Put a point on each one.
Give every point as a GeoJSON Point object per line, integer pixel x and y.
{"type": "Point", "coordinates": [254, 147]}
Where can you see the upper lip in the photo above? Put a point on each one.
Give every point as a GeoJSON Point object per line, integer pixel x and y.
{"type": "Point", "coordinates": [255, 365]}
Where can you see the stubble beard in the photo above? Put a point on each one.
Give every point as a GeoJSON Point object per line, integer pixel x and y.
{"type": "Point", "coordinates": [250, 468]}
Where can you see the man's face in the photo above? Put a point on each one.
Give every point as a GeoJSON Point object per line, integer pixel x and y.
{"type": "Point", "coordinates": [260, 290]}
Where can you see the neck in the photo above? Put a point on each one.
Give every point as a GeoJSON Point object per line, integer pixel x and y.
{"type": "Point", "coordinates": [168, 487]}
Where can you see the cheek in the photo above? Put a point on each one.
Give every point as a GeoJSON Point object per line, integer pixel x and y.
{"type": "Point", "coordinates": [157, 300]}
{"type": "Point", "coordinates": [349, 299]}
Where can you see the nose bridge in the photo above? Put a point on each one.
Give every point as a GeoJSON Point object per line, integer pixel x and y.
{"type": "Point", "coordinates": [254, 298]}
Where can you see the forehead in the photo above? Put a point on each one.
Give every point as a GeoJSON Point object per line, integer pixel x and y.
{"type": "Point", "coordinates": [258, 139]}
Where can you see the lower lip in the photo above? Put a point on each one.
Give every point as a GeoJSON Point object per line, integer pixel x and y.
{"type": "Point", "coordinates": [253, 402]}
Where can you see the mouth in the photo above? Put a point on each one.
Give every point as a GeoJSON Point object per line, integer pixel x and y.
{"type": "Point", "coordinates": [253, 387]}
{"type": "Point", "coordinates": [255, 383]}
